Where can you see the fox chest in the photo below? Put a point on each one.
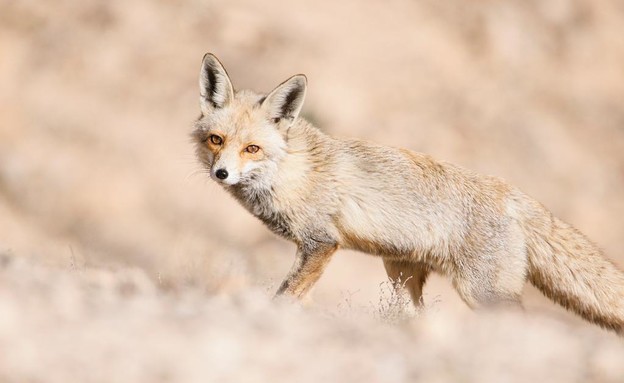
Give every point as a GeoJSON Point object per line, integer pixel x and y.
{"type": "Point", "coordinates": [278, 223]}
{"type": "Point", "coordinates": [262, 205]}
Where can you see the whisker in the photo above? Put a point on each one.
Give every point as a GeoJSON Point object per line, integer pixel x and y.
{"type": "Point", "coordinates": [196, 172]}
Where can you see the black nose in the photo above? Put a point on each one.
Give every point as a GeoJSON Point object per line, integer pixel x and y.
{"type": "Point", "coordinates": [221, 174]}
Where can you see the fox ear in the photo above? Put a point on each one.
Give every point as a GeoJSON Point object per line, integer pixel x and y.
{"type": "Point", "coordinates": [285, 101]}
{"type": "Point", "coordinates": [215, 87]}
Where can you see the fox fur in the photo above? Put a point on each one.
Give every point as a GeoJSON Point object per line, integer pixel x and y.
{"type": "Point", "coordinates": [418, 214]}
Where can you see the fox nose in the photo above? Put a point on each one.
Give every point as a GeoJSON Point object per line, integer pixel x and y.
{"type": "Point", "coordinates": [221, 174]}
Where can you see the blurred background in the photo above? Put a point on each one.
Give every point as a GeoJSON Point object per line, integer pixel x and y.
{"type": "Point", "coordinates": [97, 99]}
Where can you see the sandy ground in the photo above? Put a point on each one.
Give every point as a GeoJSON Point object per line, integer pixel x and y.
{"type": "Point", "coordinates": [99, 187]}
{"type": "Point", "coordinates": [93, 325]}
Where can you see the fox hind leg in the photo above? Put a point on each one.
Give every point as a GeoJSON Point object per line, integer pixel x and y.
{"type": "Point", "coordinates": [412, 275]}
{"type": "Point", "coordinates": [492, 271]}
{"type": "Point", "coordinates": [482, 292]}
{"type": "Point", "coordinates": [494, 276]}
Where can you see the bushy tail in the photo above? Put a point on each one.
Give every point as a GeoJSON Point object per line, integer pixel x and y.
{"type": "Point", "coordinates": [570, 270]}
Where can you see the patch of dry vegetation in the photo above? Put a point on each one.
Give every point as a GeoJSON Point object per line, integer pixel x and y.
{"type": "Point", "coordinates": [94, 325]}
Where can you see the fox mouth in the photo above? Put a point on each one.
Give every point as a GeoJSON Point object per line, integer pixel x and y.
{"type": "Point", "coordinates": [226, 182]}
{"type": "Point", "coordinates": [229, 180]}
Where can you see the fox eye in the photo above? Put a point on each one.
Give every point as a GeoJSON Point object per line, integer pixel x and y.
{"type": "Point", "coordinates": [252, 149]}
{"type": "Point", "coordinates": [215, 139]}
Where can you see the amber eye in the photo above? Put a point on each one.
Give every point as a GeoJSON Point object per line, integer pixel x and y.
{"type": "Point", "coordinates": [252, 149]}
{"type": "Point", "coordinates": [216, 139]}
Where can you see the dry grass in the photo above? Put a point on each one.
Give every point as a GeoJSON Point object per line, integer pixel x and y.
{"type": "Point", "coordinates": [130, 265]}
{"type": "Point", "coordinates": [94, 325]}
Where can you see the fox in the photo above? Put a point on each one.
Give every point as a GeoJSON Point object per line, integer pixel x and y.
{"type": "Point", "coordinates": [418, 214]}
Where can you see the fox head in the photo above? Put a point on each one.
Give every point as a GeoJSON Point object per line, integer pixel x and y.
{"type": "Point", "coordinates": [241, 136]}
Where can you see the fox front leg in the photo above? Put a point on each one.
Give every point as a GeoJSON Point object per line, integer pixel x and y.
{"type": "Point", "coordinates": [310, 261]}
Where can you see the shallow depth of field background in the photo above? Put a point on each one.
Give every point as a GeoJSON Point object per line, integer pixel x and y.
{"type": "Point", "coordinates": [111, 234]}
